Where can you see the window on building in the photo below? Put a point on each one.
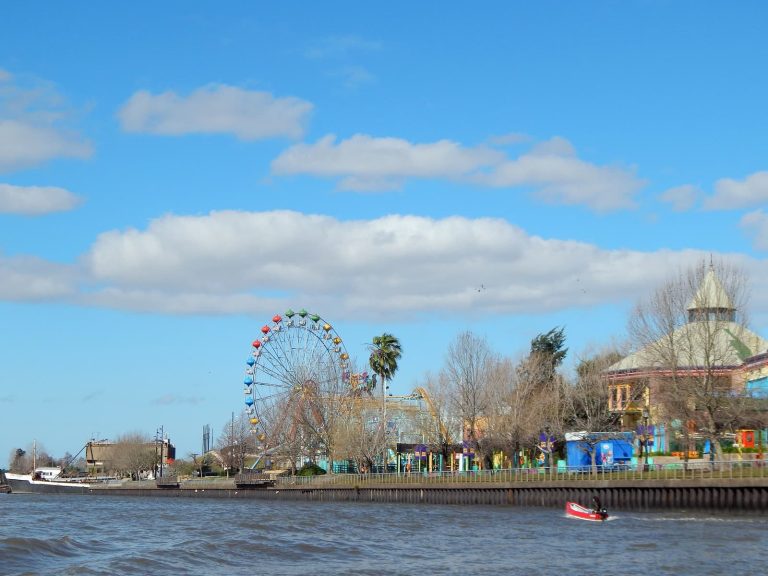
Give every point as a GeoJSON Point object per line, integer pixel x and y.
{"type": "Point", "coordinates": [618, 398]}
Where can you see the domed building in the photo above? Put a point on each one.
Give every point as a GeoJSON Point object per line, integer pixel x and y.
{"type": "Point", "coordinates": [693, 382]}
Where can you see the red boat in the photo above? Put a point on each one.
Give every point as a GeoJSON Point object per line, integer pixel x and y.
{"type": "Point", "coordinates": [591, 514]}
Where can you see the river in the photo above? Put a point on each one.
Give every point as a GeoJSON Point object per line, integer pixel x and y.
{"type": "Point", "coordinates": [81, 535]}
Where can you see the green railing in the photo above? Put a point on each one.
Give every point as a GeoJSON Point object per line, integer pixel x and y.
{"type": "Point", "coordinates": [672, 471]}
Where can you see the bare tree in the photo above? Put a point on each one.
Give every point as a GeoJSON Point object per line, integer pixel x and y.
{"type": "Point", "coordinates": [134, 453]}
{"type": "Point", "coordinates": [587, 395]}
{"type": "Point", "coordinates": [511, 422]}
{"type": "Point", "coordinates": [359, 435]}
{"type": "Point", "coordinates": [236, 442]}
{"type": "Point", "coordinates": [466, 371]}
{"type": "Point", "coordinates": [20, 461]}
{"type": "Point", "coordinates": [26, 460]}
{"type": "Point", "coordinates": [277, 439]}
{"type": "Point", "coordinates": [317, 410]}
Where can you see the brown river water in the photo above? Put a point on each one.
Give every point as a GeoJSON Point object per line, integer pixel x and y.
{"type": "Point", "coordinates": [68, 534]}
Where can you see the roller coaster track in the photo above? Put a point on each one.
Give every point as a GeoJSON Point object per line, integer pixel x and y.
{"type": "Point", "coordinates": [428, 401]}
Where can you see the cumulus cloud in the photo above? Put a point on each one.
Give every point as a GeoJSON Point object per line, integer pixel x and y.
{"type": "Point", "coordinates": [32, 131]}
{"type": "Point", "coordinates": [681, 198]}
{"type": "Point", "coordinates": [35, 200]}
{"type": "Point", "coordinates": [551, 168]}
{"type": "Point", "coordinates": [249, 115]}
{"type": "Point", "coordinates": [233, 262]}
{"type": "Point", "coordinates": [733, 194]}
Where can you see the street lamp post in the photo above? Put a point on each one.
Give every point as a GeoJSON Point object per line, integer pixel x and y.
{"type": "Point", "coordinates": [645, 436]}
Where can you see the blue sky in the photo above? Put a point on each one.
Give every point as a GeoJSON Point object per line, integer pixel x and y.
{"type": "Point", "coordinates": [172, 175]}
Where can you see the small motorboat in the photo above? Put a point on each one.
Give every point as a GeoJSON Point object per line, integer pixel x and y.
{"type": "Point", "coordinates": [584, 513]}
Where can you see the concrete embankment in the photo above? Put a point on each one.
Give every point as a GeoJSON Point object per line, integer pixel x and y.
{"type": "Point", "coordinates": [745, 494]}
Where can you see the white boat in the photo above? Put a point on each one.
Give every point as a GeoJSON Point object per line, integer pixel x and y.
{"type": "Point", "coordinates": [46, 480]}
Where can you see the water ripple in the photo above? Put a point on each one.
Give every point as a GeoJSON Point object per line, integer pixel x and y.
{"type": "Point", "coordinates": [100, 536]}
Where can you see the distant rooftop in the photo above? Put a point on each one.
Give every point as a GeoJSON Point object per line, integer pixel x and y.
{"type": "Point", "coordinates": [710, 328]}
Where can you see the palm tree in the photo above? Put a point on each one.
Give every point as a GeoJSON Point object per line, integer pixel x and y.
{"type": "Point", "coordinates": [385, 352]}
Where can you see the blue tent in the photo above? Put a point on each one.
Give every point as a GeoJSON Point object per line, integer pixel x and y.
{"type": "Point", "coordinates": [613, 450]}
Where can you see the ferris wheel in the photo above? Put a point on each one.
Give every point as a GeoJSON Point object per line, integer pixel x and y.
{"type": "Point", "coordinates": [298, 360]}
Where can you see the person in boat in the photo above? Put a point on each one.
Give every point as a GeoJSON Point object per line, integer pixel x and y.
{"type": "Point", "coordinates": [597, 507]}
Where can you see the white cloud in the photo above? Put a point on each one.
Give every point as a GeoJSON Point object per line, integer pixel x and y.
{"type": "Point", "coordinates": [32, 115]}
{"type": "Point", "coordinates": [35, 200]}
{"type": "Point", "coordinates": [394, 267]}
{"type": "Point", "coordinates": [31, 279]}
{"type": "Point", "coordinates": [681, 198]}
{"type": "Point", "coordinates": [249, 115]}
{"type": "Point", "coordinates": [24, 144]}
{"type": "Point", "coordinates": [555, 146]}
{"type": "Point", "coordinates": [756, 225]}
{"type": "Point", "coordinates": [365, 163]}
{"type": "Point", "coordinates": [559, 177]}
{"type": "Point", "coordinates": [255, 262]}
{"type": "Point", "coordinates": [733, 194]}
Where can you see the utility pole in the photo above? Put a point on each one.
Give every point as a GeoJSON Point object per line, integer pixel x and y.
{"type": "Point", "coordinates": [232, 443]}
{"type": "Point", "coordinates": [384, 411]}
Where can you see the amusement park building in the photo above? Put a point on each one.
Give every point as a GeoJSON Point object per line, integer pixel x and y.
{"type": "Point", "coordinates": [636, 383]}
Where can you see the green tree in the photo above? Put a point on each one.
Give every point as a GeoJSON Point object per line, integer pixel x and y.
{"type": "Point", "coordinates": [385, 352]}
{"type": "Point", "coordinates": [548, 349]}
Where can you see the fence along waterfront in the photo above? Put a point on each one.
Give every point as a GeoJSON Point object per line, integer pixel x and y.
{"type": "Point", "coordinates": [710, 470]}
